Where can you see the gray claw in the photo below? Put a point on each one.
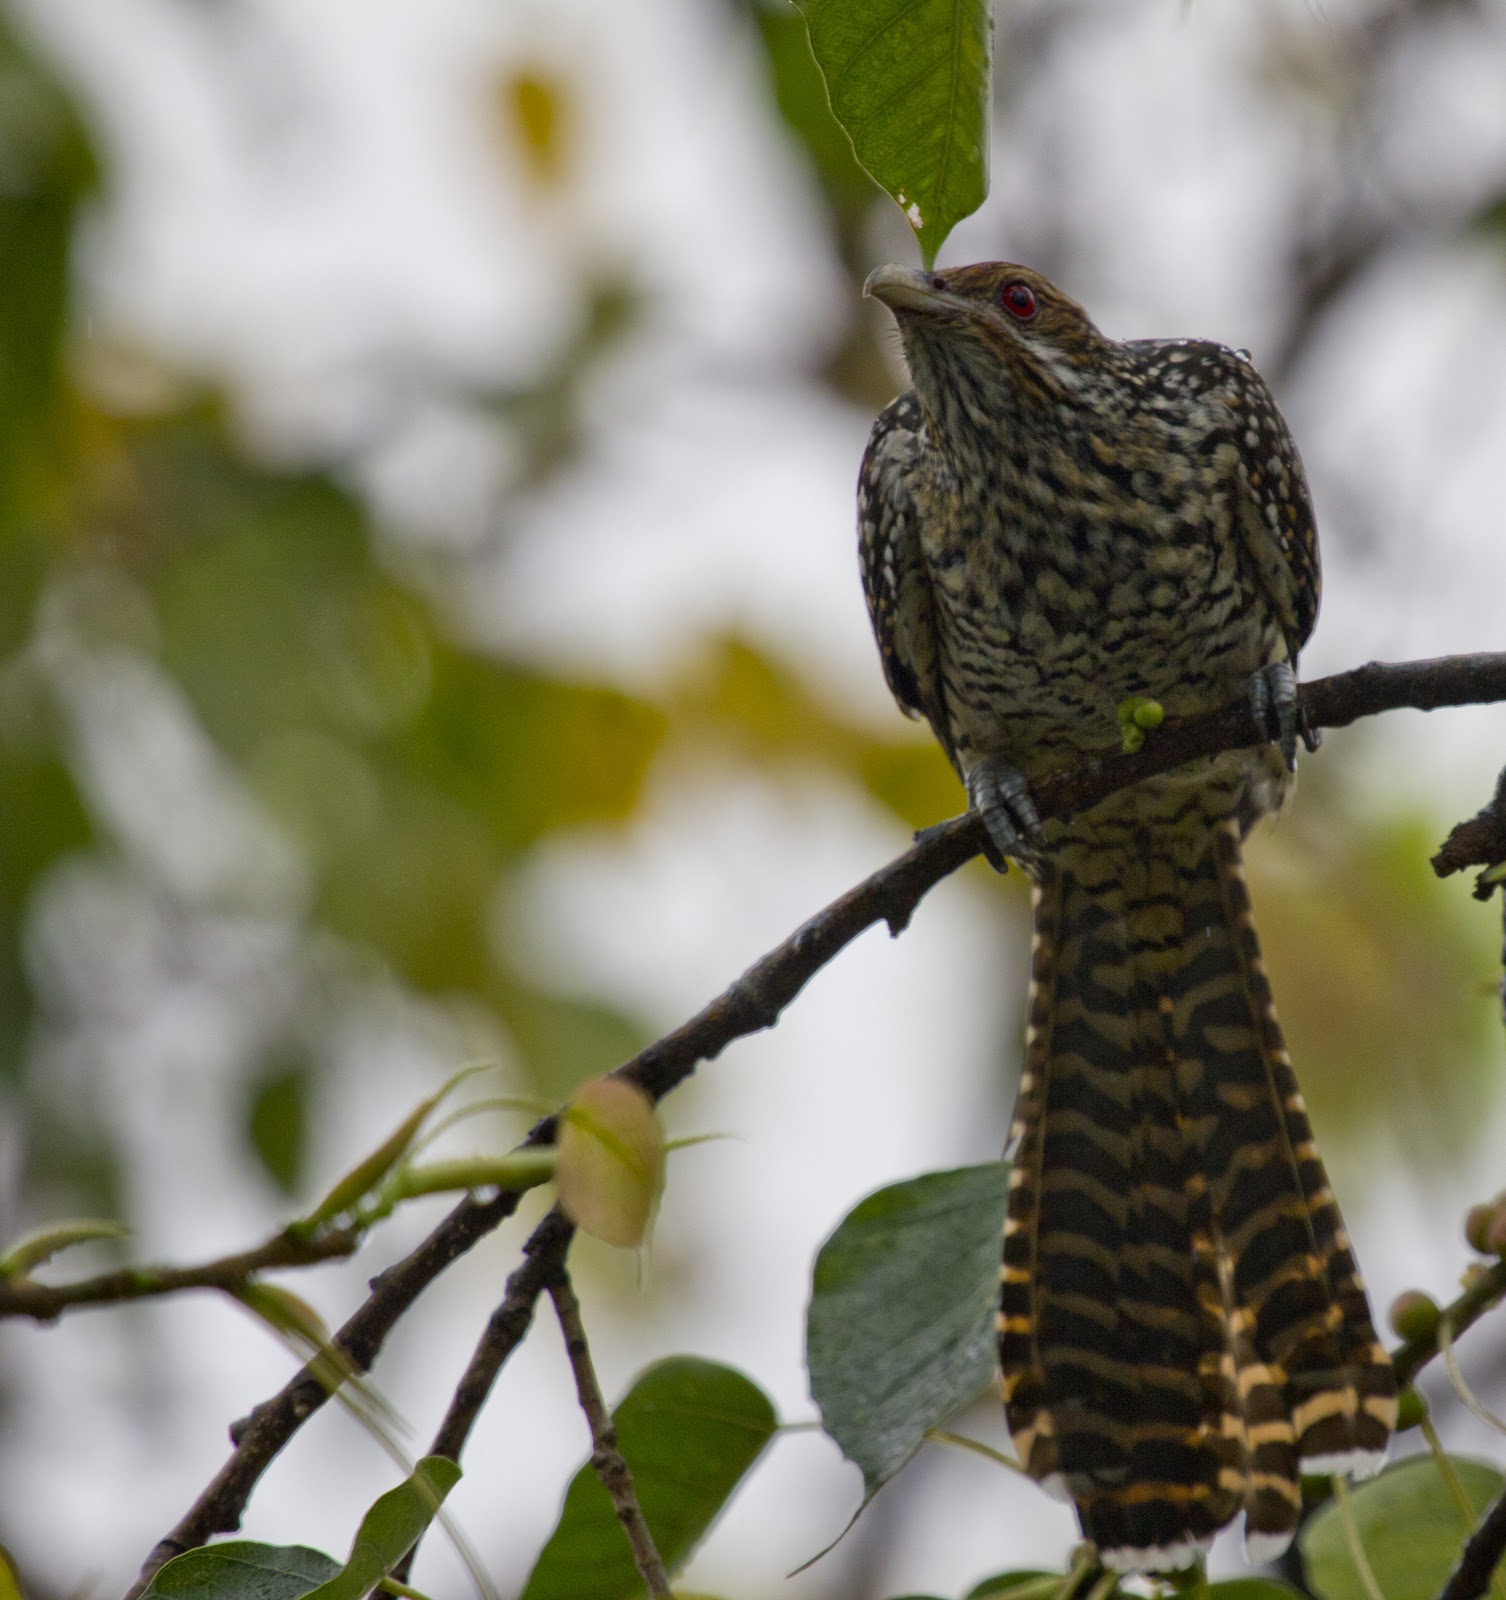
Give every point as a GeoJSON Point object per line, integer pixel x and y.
{"type": "Point", "coordinates": [1273, 704]}
{"type": "Point", "coordinates": [1000, 795]}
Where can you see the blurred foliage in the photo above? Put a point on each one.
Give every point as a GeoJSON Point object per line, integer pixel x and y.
{"type": "Point", "coordinates": [1385, 979]}
{"type": "Point", "coordinates": [409, 775]}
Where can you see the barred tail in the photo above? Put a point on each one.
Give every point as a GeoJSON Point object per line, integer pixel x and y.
{"type": "Point", "coordinates": [1181, 1322]}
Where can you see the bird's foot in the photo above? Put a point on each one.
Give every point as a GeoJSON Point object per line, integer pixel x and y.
{"type": "Point", "coordinates": [1278, 716]}
{"type": "Point", "coordinates": [1000, 795]}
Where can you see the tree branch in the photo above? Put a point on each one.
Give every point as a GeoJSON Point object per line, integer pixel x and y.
{"type": "Point", "coordinates": [1480, 1557]}
{"type": "Point", "coordinates": [25, 1297]}
{"type": "Point", "coordinates": [610, 1465]}
{"type": "Point", "coordinates": [259, 1437]}
{"type": "Point", "coordinates": [755, 1001]}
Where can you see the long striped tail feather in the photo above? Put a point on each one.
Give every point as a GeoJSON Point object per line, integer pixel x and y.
{"type": "Point", "coordinates": [1182, 1327]}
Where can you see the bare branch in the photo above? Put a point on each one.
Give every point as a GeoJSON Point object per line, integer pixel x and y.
{"type": "Point", "coordinates": [755, 1001]}
{"type": "Point", "coordinates": [1480, 1557]}
{"type": "Point", "coordinates": [610, 1465]}
{"type": "Point", "coordinates": [25, 1297]}
{"type": "Point", "coordinates": [259, 1437]}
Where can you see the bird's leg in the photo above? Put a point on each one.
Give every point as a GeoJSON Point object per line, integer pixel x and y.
{"type": "Point", "coordinates": [1000, 795]}
{"type": "Point", "coordinates": [1278, 717]}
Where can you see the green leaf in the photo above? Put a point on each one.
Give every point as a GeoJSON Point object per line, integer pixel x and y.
{"type": "Point", "coordinates": [241, 1569]}
{"type": "Point", "coordinates": [688, 1430]}
{"type": "Point", "coordinates": [1410, 1525]}
{"type": "Point", "coordinates": [390, 1528]}
{"type": "Point", "coordinates": [900, 1329]}
{"type": "Point", "coordinates": [909, 80]}
{"type": "Point", "coordinates": [611, 1161]}
{"type": "Point", "coordinates": [39, 1246]}
{"type": "Point", "coordinates": [1003, 1583]}
{"type": "Point", "coordinates": [1252, 1589]}
{"type": "Point", "coordinates": [277, 1122]}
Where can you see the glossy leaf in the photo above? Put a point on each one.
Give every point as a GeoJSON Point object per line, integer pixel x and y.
{"type": "Point", "coordinates": [909, 80]}
{"type": "Point", "coordinates": [900, 1330]}
{"type": "Point", "coordinates": [1410, 1524]}
{"type": "Point", "coordinates": [689, 1430]}
{"type": "Point", "coordinates": [241, 1569]}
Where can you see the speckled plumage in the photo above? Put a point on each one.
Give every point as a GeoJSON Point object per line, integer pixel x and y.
{"type": "Point", "coordinates": [1052, 522]}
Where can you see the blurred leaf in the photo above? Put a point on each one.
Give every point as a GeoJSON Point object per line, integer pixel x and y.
{"type": "Point", "coordinates": [277, 1123]}
{"type": "Point", "coordinates": [689, 1430]}
{"type": "Point", "coordinates": [800, 93]}
{"type": "Point", "coordinates": [611, 1161]}
{"type": "Point", "coordinates": [900, 1327]}
{"type": "Point", "coordinates": [44, 820]}
{"type": "Point", "coordinates": [913, 780]}
{"type": "Point", "coordinates": [241, 1569]}
{"type": "Point", "coordinates": [566, 1038]}
{"type": "Point", "coordinates": [1410, 1525]}
{"type": "Point", "coordinates": [46, 168]}
{"type": "Point", "coordinates": [909, 80]}
{"type": "Point", "coordinates": [772, 715]}
{"type": "Point", "coordinates": [536, 115]}
{"type": "Point", "coordinates": [1381, 973]}
{"type": "Point", "coordinates": [390, 1528]}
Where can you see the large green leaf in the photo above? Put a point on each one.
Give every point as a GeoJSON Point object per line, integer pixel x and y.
{"type": "Point", "coordinates": [688, 1430]}
{"type": "Point", "coordinates": [909, 80]}
{"type": "Point", "coordinates": [241, 1569]}
{"type": "Point", "coordinates": [899, 1332]}
{"type": "Point", "coordinates": [1411, 1526]}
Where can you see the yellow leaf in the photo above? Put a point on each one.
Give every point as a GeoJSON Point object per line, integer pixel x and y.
{"type": "Point", "coordinates": [611, 1161]}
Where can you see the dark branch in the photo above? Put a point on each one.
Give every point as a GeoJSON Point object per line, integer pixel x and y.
{"type": "Point", "coordinates": [1480, 1557]}
{"type": "Point", "coordinates": [25, 1297]}
{"type": "Point", "coordinates": [606, 1459]}
{"type": "Point", "coordinates": [543, 1260]}
{"type": "Point", "coordinates": [756, 1000]}
{"type": "Point", "coordinates": [259, 1437]}
{"type": "Point", "coordinates": [1479, 842]}
{"type": "Point", "coordinates": [890, 895]}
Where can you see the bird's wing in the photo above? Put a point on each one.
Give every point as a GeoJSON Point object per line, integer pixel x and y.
{"type": "Point", "coordinates": [1275, 513]}
{"type": "Point", "coordinates": [896, 582]}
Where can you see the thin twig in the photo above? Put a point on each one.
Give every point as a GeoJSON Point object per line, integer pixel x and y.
{"type": "Point", "coordinates": [756, 1000]}
{"type": "Point", "coordinates": [543, 1259]}
{"type": "Point", "coordinates": [611, 1467]}
{"type": "Point", "coordinates": [25, 1297]}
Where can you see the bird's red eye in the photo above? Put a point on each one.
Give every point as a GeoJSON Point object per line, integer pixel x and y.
{"type": "Point", "coordinates": [1018, 299]}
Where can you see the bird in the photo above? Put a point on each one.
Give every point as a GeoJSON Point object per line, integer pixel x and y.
{"type": "Point", "coordinates": [1053, 525]}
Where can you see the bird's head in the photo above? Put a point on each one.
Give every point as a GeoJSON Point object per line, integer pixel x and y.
{"type": "Point", "coordinates": [985, 342]}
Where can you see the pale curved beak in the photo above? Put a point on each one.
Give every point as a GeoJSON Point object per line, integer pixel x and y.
{"type": "Point", "coordinates": [904, 289]}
